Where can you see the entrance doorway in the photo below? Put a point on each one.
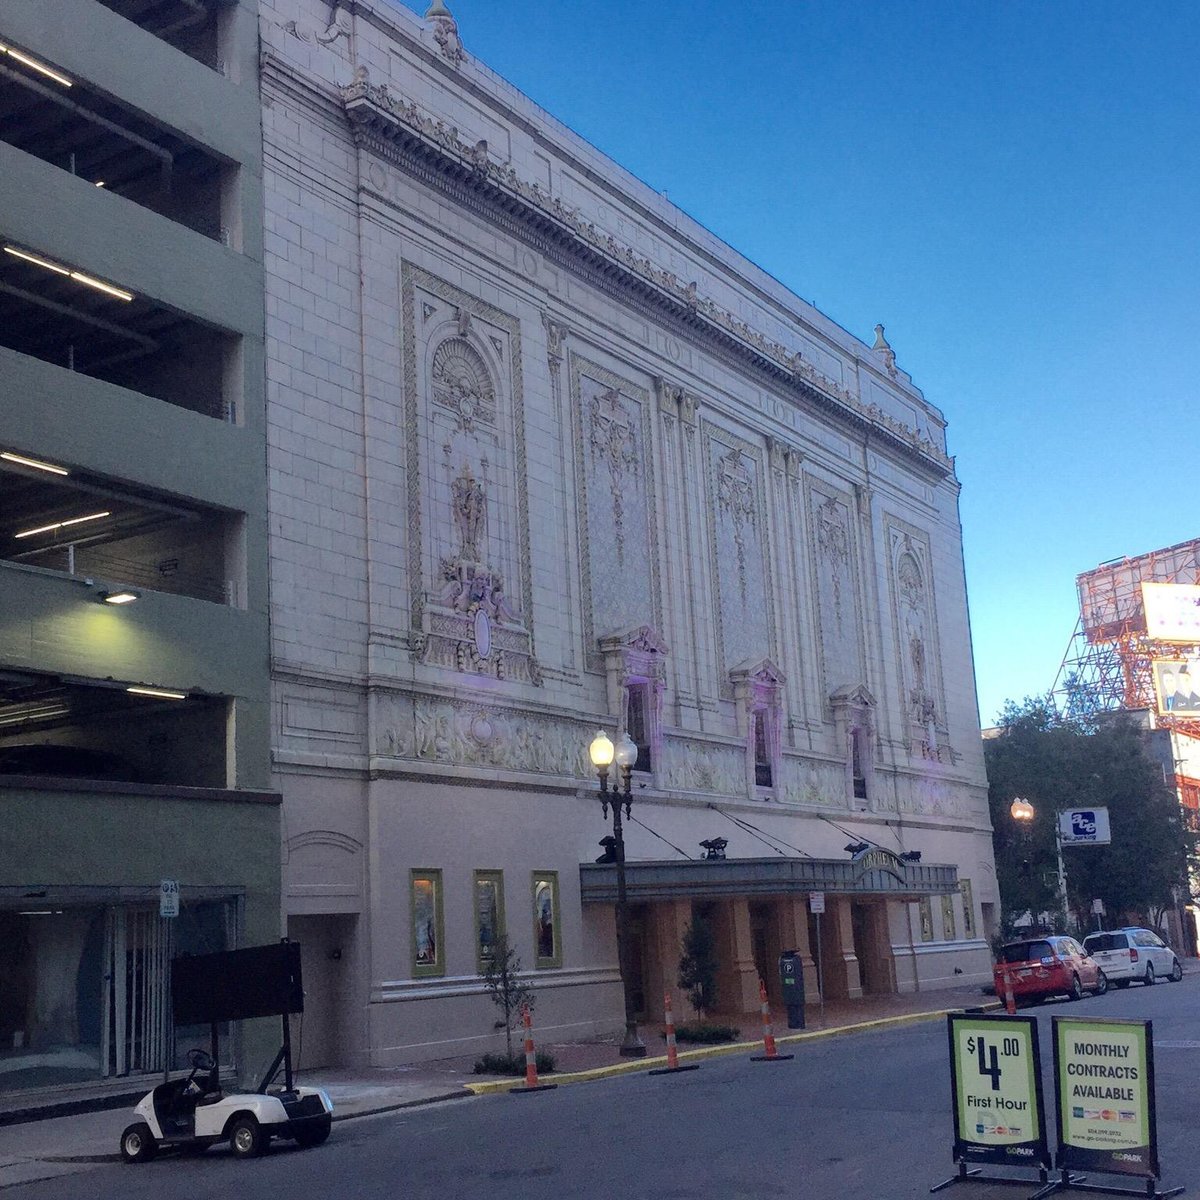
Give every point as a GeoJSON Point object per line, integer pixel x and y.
{"type": "Point", "coordinates": [872, 947]}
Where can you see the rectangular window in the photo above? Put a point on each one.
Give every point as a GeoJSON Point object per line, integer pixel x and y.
{"type": "Point", "coordinates": [763, 775]}
{"type": "Point", "coordinates": [429, 956]}
{"type": "Point", "coordinates": [489, 916]}
{"type": "Point", "coordinates": [637, 724]}
{"type": "Point", "coordinates": [547, 935]}
{"type": "Point", "coordinates": [856, 764]}
{"type": "Point", "coordinates": [949, 928]}
{"type": "Point", "coordinates": [964, 886]}
{"type": "Point", "coordinates": [926, 910]}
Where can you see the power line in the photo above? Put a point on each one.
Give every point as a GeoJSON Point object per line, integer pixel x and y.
{"type": "Point", "coordinates": [659, 836]}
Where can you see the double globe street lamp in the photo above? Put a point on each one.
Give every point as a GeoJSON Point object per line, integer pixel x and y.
{"type": "Point", "coordinates": [603, 754]}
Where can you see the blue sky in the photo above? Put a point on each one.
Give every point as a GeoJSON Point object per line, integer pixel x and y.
{"type": "Point", "coordinates": [1012, 187]}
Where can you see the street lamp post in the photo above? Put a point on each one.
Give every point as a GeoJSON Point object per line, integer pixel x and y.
{"type": "Point", "coordinates": [1023, 812]}
{"type": "Point", "coordinates": [603, 753]}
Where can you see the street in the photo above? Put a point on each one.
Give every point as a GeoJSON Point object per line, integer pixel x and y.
{"type": "Point", "coordinates": [859, 1117]}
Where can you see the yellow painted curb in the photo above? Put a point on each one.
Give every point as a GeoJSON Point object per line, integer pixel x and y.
{"type": "Point", "coordinates": [496, 1086]}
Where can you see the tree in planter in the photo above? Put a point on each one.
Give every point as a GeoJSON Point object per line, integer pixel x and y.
{"type": "Point", "coordinates": [508, 991]}
{"type": "Point", "coordinates": [698, 967]}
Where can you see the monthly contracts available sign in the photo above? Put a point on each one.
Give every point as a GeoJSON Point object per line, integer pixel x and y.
{"type": "Point", "coordinates": [998, 1111]}
{"type": "Point", "coordinates": [1104, 1071]}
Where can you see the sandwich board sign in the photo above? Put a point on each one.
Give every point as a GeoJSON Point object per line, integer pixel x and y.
{"type": "Point", "coordinates": [1104, 1085]}
{"type": "Point", "coordinates": [996, 1085]}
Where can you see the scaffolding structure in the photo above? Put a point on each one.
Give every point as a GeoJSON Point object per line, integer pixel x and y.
{"type": "Point", "coordinates": [1109, 661]}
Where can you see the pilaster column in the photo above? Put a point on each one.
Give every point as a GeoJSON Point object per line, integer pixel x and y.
{"type": "Point", "coordinates": [840, 963]}
{"type": "Point", "coordinates": [791, 916]}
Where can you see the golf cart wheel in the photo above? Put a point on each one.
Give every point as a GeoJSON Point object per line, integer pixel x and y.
{"type": "Point", "coordinates": [137, 1143]}
{"type": "Point", "coordinates": [1149, 978]}
{"type": "Point", "coordinates": [315, 1133]}
{"type": "Point", "coordinates": [246, 1137]}
{"type": "Point", "coordinates": [1176, 971]}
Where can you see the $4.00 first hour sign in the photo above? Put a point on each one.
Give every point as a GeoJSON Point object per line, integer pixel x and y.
{"type": "Point", "coordinates": [998, 1111]}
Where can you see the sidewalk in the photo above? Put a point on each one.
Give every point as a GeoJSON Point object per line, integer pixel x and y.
{"type": "Point", "coordinates": [40, 1149]}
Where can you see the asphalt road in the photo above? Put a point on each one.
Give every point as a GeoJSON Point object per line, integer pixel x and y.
{"type": "Point", "coordinates": [861, 1117]}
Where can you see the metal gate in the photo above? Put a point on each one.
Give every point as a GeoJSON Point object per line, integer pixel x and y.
{"type": "Point", "coordinates": [136, 996]}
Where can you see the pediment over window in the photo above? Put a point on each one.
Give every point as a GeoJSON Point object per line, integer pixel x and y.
{"type": "Point", "coordinates": [639, 651]}
{"type": "Point", "coordinates": [763, 672]}
{"type": "Point", "coordinates": [854, 695]}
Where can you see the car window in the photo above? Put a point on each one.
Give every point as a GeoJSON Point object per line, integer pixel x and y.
{"type": "Point", "coordinates": [1019, 952]}
{"type": "Point", "coordinates": [1143, 939]}
{"type": "Point", "coordinates": [1095, 943]}
{"type": "Point", "coordinates": [1155, 940]}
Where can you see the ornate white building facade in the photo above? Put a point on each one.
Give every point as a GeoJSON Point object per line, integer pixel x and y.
{"type": "Point", "coordinates": [546, 456]}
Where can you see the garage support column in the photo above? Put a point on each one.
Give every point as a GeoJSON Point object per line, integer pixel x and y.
{"type": "Point", "coordinates": [743, 996]}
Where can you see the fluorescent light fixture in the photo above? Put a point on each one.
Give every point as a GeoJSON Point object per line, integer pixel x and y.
{"type": "Point", "coordinates": [36, 463]}
{"type": "Point", "coordinates": [62, 524]}
{"type": "Point", "coordinates": [46, 712]}
{"type": "Point", "coordinates": [99, 182]}
{"type": "Point", "coordinates": [158, 693]}
{"type": "Point", "coordinates": [40, 912]}
{"type": "Point", "coordinates": [124, 596]}
{"type": "Point", "coordinates": [33, 258]}
{"type": "Point", "coordinates": [87, 280]}
{"type": "Point", "coordinates": [34, 65]}
{"type": "Point", "coordinates": [101, 286]}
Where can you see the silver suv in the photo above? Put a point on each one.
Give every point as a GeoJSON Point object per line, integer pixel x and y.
{"type": "Point", "coordinates": [1132, 953]}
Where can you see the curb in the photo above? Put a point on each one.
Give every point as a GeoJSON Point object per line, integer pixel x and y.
{"type": "Point", "coordinates": [496, 1087]}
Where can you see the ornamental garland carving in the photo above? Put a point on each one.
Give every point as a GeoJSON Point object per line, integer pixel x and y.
{"type": "Point", "coordinates": [735, 495]}
{"type": "Point", "coordinates": [379, 113]}
{"type": "Point", "coordinates": [612, 437]}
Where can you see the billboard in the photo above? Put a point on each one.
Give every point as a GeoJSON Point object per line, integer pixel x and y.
{"type": "Point", "coordinates": [1110, 597]}
{"type": "Point", "coordinates": [233, 985]}
{"type": "Point", "coordinates": [1084, 827]}
{"type": "Point", "coordinates": [1172, 612]}
{"type": "Point", "coordinates": [1177, 686]}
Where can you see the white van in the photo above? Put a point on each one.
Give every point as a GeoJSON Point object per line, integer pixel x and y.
{"type": "Point", "coordinates": [1131, 953]}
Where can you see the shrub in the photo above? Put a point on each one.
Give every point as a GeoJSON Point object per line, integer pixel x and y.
{"type": "Point", "coordinates": [512, 1064]}
{"type": "Point", "coordinates": [698, 966]}
{"type": "Point", "coordinates": [707, 1034]}
{"type": "Point", "coordinates": [509, 992]}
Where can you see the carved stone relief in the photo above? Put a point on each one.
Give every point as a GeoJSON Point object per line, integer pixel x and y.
{"type": "Point", "coordinates": [737, 549]}
{"type": "Point", "coordinates": [618, 530]}
{"type": "Point", "coordinates": [467, 498]}
{"type": "Point", "coordinates": [695, 766]}
{"type": "Point", "coordinates": [909, 565]}
{"type": "Point", "coordinates": [833, 556]}
{"type": "Point", "coordinates": [460, 733]}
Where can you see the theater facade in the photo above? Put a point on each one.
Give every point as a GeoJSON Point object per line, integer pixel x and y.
{"type": "Point", "coordinates": [547, 457]}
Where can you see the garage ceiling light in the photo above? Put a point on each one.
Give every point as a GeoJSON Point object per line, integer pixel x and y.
{"type": "Point", "coordinates": [158, 693]}
{"type": "Point", "coordinates": [61, 524]}
{"type": "Point", "coordinates": [87, 280]}
{"type": "Point", "coordinates": [124, 596]}
{"type": "Point", "coordinates": [36, 463]}
{"type": "Point", "coordinates": [34, 65]}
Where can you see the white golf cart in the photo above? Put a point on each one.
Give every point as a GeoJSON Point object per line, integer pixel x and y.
{"type": "Point", "coordinates": [194, 1113]}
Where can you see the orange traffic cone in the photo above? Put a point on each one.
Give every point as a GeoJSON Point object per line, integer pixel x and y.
{"type": "Point", "coordinates": [531, 1073]}
{"type": "Point", "coordinates": [772, 1054]}
{"type": "Point", "coordinates": [672, 1054]}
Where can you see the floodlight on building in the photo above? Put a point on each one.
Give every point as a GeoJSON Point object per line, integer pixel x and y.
{"type": "Point", "coordinates": [35, 463]}
{"type": "Point", "coordinates": [61, 524]}
{"type": "Point", "coordinates": [87, 280]}
{"type": "Point", "coordinates": [156, 693]}
{"type": "Point", "coordinates": [34, 65]}
{"type": "Point", "coordinates": [857, 847]}
{"type": "Point", "coordinates": [123, 596]}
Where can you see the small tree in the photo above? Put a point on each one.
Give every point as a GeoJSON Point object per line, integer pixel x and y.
{"type": "Point", "coordinates": [698, 966]}
{"type": "Point", "coordinates": [508, 991]}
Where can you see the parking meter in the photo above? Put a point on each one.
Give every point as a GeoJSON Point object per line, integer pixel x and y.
{"type": "Point", "coordinates": [791, 979]}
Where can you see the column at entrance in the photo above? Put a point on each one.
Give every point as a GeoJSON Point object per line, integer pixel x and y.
{"type": "Point", "coordinates": [737, 977]}
{"type": "Point", "coordinates": [873, 946]}
{"type": "Point", "coordinates": [839, 962]}
{"type": "Point", "coordinates": [666, 923]}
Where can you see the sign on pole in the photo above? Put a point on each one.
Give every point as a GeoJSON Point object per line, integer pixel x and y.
{"type": "Point", "coordinates": [1104, 1084]}
{"type": "Point", "coordinates": [168, 898]}
{"type": "Point", "coordinates": [999, 1116]}
{"type": "Point", "coordinates": [1084, 827]}
{"type": "Point", "coordinates": [816, 902]}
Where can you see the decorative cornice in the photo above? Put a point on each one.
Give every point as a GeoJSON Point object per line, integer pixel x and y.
{"type": "Point", "coordinates": [385, 121]}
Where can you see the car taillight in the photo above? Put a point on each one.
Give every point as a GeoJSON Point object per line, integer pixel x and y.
{"type": "Point", "coordinates": [1133, 956]}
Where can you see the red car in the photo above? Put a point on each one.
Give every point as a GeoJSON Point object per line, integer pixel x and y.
{"type": "Point", "coordinates": [1048, 966]}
